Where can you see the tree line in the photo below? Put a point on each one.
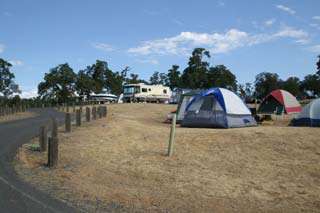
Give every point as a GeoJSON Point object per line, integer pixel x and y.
{"type": "Point", "coordinates": [199, 74]}
{"type": "Point", "coordinates": [62, 84]}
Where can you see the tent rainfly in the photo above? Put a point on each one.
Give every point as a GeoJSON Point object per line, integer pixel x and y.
{"type": "Point", "coordinates": [217, 107]}
{"type": "Point", "coordinates": [310, 115]}
{"type": "Point", "coordinates": [278, 102]}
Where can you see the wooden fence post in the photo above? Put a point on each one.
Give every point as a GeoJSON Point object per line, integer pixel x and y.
{"type": "Point", "coordinates": [78, 117]}
{"type": "Point", "coordinates": [50, 153]}
{"type": "Point", "coordinates": [172, 134]}
{"type": "Point", "coordinates": [100, 111]}
{"type": "Point", "coordinates": [88, 114]}
{"type": "Point", "coordinates": [43, 138]}
{"type": "Point", "coordinates": [68, 122]}
{"type": "Point", "coordinates": [94, 113]}
{"type": "Point", "coordinates": [53, 148]}
{"type": "Point", "coordinates": [104, 111]}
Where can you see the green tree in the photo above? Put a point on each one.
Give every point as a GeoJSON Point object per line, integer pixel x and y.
{"type": "Point", "coordinates": [265, 83]}
{"type": "Point", "coordinates": [163, 79]}
{"type": "Point", "coordinates": [155, 78]}
{"type": "Point", "coordinates": [134, 79]}
{"type": "Point", "coordinates": [98, 78]}
{"type": "Point", "coordinates": [58, 84]}
{"type": "Point", "coordinates": [292, 85]}
{"type": "Point", "coordinates": [158, 78]}
{"type": "Point", "coordinates": [115, 80]}
{"type": "Point", "coordinates": [195, 75]}
{"type": "Point", "coordinates": [221, 76]}
{"type": "Point", "coordinates": [246, 91]}
{"type": "Point", "coordinates": [85, 84]}
{"type": "Point", "coordinates": [311, 83]}
{"type": "Point", "coordinates": [174, 78]}
{"type": "Point", "coordinates": [7, 84]}
{"type": "Point", "coordinates": [98, 73]}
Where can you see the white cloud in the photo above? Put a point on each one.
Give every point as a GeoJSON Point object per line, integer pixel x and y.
{"type": "Point", "coordinates": [289, 32]}
{"type": "Point", "coordinates": [183, 43]}
{"type": "Point", "coordinates": [314, 25]}
{"type": "Point", "coordinates": [29, 93]}
{"type": "Point", "coordinates": [148, 61]}
{"type": "Point", "coordinates": [2, 48]}
{"type": "Point", "coordinates": [286, 9]}
{"type": "Point", "coordinates": [316, 18]}
{"type": "Point", "coordinates": [315, 48]}
{"type": "Point", "coordinates": [16, 62]}
{"type": "Point", "coordinates": [269, 22]}
{"type": "Point", "coordinates": [103, 46]}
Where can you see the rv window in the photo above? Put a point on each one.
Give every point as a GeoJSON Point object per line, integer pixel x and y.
{"type": "Point", "coordinates": [137, 89]}
{"type": "Point", "coordinates": [144, 90]}
{"type": "Point", "coordinates": [165, 91]}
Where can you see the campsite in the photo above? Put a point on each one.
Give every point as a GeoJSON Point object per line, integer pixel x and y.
{"type": "Point", "coordinates": [121, 162]}
{"type": "Point", "coordinates": [209, 106]}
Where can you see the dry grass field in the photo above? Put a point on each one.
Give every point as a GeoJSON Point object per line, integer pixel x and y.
{"type": "Point", "coordinates": [119, 164]}
{"type": "Point", "coordinates": [17, 116]}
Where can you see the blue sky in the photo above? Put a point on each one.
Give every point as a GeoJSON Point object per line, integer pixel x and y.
{"type": "Point", "coordinates": [248, 36]}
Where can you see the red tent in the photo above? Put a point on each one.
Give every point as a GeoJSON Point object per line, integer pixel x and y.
{"type": "Point", "coordinates": [279, 100]}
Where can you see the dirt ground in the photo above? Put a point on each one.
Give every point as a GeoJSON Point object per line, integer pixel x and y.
{"type": "Point", "coordinates": [17, 116]}
{"type": "Point", "coordinates": [119, 164]}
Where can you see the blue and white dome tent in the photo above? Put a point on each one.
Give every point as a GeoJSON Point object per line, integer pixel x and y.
{"type": "Point", "coordinates": [309, 116]}
{"type": "Point", "coordinates": [217, 107]}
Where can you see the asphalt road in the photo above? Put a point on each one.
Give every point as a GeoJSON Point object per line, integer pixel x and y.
{"type": "Point", "coordinates": [15, 195]}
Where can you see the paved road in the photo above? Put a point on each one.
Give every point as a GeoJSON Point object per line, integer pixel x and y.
{"type": "Point", "coordinates": [15, 195]}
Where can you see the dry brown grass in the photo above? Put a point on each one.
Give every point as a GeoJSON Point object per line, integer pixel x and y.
{"type": "Point", "coordinates": [17, 116]}
{"type": "Point", "coordinates": [119, 164]}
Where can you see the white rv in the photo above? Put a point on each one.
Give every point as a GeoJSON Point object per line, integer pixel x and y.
{"type": "Point", "coordinates": [146, 93]}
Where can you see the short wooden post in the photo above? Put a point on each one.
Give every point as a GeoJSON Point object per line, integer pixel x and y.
{"type": "Point", "coordinates": [43, 138]}
{"type": "Point", "coordinates": [100, 111]}
{"type": "Point", "coordinates": [172, 134]}
{"type": "Point", "coordinates": [105, 111]}
{"type": "Point", "coordinates": [54, 128]}
{"type": "Point", "coordinates": [50, 152]}
{"type": "Point", "coordinates": [78, 117]}
{"type": "Point", "coordinates": [94, 113]}
{"type": "Point", "coordinates": [68, 122]}
{"type": "Point", "coordinates": [53, 145]}
{"type": "Point", "coordinates": [88, 114]}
